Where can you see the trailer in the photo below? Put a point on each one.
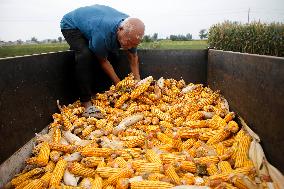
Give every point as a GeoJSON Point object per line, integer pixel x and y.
{"type": "Point", "coordinates": [30, 86]}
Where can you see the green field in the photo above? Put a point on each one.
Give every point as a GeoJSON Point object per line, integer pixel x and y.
{"type": "Point", "coordinates": [19, 50]}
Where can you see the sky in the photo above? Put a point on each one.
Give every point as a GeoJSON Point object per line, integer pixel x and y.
{"type": "Point", "coordinates": [24, 19]}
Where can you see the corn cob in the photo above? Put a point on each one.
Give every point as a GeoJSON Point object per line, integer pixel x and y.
{"type": "Point", "coordinates": [137, 163]}
{"type": "Point", "coordinates": [55, 155]}
{"type": "Point", "coordinates": [58, 173]}
{"type": "Point", "coordinates": [188, 166]}
{"type": "Point", "coordinates": [219, 137]}
{"type": "Point", "coordinates": [178, 121]}
{"type": "Point", "coordinates": [91, 161]}
{"type": "Point", "coordinates": [207, 159]}
{"type": "Point", "coordinates": [106, 172]}
{"type": "Point", "coordinates": [242, 151]}
{"type": "Point", "coordinates": [67, 125]}
{"type": "Point", "coordinates": [195, 116]}
{"type": "Point", "coordinates": [39, 183]}
{"type": "Point", "coordinates": [149, 168]}
{"type": "Point", "coordinates": [121, 162]}
{"type": "Point", "coordinates": [188, 143]}
{"type": "Point", "coordinates": [229, 142]}
{"type": "Point", "coordinates": [101, 123]}
{"type": "Point", "coordinates": [22, 177]}
{"type": "Point", "coordinates": [136, 141]}
{"type": "Point", "coordinates": [139, 90]}
{"type": "Point", "coordinates": [62, 147]}
{"type": "Point", "coordinates": [225, 167]}
{"type": "Point", "coordinates": [161, 115]}
{"type": "Point", "coordinates": [78, 169]}
{"type": "Point", "coordinates": [156, 176]}
{"type": "Point", "coordinates": [229, 117]}
{"type": "Point", "coordinates": [122, 183]}
{"type": "Point", "coordinates": [121, 100]}
{"type": "Point", "coordinates": [232, 126]}
{"type": "Point", "coordinates": [110, 187]}
{"type": "Point", "coordinates": [88, 130]}
{"type": "Point", "coordinates": [98, 152]}
{"type": "Point", "coordinates": [148, 184]}
{"type": "Point", "coordinates": [171, 173]}
{"type": "Point", "coordinates": [23, 184]}
{"type": "Point", "coordinates": [195, 124]}
{"type": "Point", "coordinates": [43, 156]}
{"type": "Point", "coordinates": [152, 157]}
{"type": "Point", "coordinates": [164, 138]}
{"type": "Point", "coordinates": [49, 167]}
{"type": "Point", "coordinates": [212, 169]}
{"type": "Point", "coordinates": [97, 182]}
{"type": "Point", "coordinates": [56, 135]}
{"type": "Point", "coordinates": [124, 173]}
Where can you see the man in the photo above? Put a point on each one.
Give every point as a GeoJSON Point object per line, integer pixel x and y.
{"type": "Point", "coordinates": [97, 31]}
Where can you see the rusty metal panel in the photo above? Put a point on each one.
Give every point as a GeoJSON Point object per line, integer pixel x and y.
{"type": "Point", "coordinates": [254, 87]}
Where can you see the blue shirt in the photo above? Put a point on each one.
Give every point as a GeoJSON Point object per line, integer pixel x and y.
{"type": "Point", "coordinates": [99, 25]}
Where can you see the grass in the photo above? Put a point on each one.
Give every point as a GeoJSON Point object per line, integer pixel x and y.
{"type": "Point", "coordinates": [19, 50]}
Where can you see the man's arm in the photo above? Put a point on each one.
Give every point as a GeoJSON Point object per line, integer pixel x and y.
{"type": "Point", "coordinates": [134, 64]}
{"type": "Point", "coordinates": [108, 69]}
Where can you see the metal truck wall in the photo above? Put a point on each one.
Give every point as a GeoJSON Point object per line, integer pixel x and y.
{"type": "Point", "coordinates": [30, 86]}
{"type": "Point", "coordinates": [254, 88]}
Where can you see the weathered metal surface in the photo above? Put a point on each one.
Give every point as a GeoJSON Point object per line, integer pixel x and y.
{"type": "Point", "coordinates": [254, 88]}
{"type": "Point", "coordinates": [189, 65]}
{"type": "Point", "coordinates": [29, 88]}
{"type": "Point", "coordinates": [16, 162]}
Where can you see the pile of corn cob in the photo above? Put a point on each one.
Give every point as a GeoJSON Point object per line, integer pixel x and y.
{"type": "Point", "coordinates": [154, 134]}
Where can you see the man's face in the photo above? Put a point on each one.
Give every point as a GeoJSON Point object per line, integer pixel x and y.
{"type": "Point", "coordinates": [126, 41]}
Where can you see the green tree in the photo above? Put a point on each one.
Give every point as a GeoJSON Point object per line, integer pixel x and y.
{"type": "Point", "coordinates": [33, 39]}
{"type": "Point", "coordinates": [155, 37]}
{"type": "Point", "coordinates": [203, 34]}
{"type": "Point", "coordinates": [60, 39]}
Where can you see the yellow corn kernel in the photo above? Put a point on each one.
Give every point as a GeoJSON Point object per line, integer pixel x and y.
{"type": "Point", "coordinates": [124, 173]}
{"type": "Point", "coordinates": [195, 124]}
{"type": "Point", "coordinates": [188, 143]}
{"type": "Point", "coordinates": [121, 162]}
{"type": "Point", "coordinates": [207, 159]}
{"type": "Point", "coordinates": [22, 177]}
{"type": "Point", "coordinates": [161, 115]}
{"type": "Point", "coordinates": [136, 141]}
{"type": "Point", "coordinates": [152, 156]}
{"type": "Point", "coordinates": [88, 130]}
{"type": "Point", "coordinates": [55, 155]}
{"type": "Point", "coordinates": [145, 100]}
{"type": "Point", "coordinates": [212, 169]}
{"type": "Point", "coordinates": [58, 173]}
{"type": "Point", "coordinates": [229, 142]}
{"type": "Point", "coordinates": [225, 167]}
{"type": "Point", "coordinates": [43, 156]}
{"type": "Point", "coordinates": [139, 90]}
{"type": "Point", "coordinates": [166, 124]}
{"type": "Point", "coordinates": [156, 176]}
{"type": "Point", "coordinates": [92, 161]}
{"type": "Point", "coordinates": [208, 134]}
{"type": "Point", "coordinates": [122, 183]}
{"type": "Point", "coordinates": [220, 149]}
{"type": "Point", "coordinates": [179, 121]}
{"type": "Point", "coordinates": [149, 168]}
{"type": "Point", "coordinates": [110, 187]}
{"type": "Point", "coordinates": [62, 147]}
{"type": "Point", "coordinates": [121, 100]}
{"type": "Point", "coordinates": [49, 167]}
{"type": "Point", "coordinates": [56, 135]}
{"type": "Point", "coordinates": [164, 138]}
{"type": "Point", "coordinates": [170, 172]}
{"type": "Point", "coordinates": [97, 182]}
{"type": "Point", "coordinates": [232, 126]}
{"type": "Point", "coordinates": [219, 137]}
{"type": "Point", "coordinates": [106, 172]}
{"type": "Point", "coordinates": [138, 163]}
{"type": "Point", "coordinates": [188, 166]}
{"type": "Point", "coordinates": [23, 184]}
{"type": "Point", "coordinates": [101, 123]}
{"type": "Point", "coordinates": [78, 169]}
{"type": "Point", "coordinates": [149, 184]}
{"type": "Point", "coordinates": [217, 122]}
{"type": "Point", "coordinates": [242, 151]}
{"type": "Point", "coordinates": [229, 117]}
{"type": "Point", "coordinates": [98, 152]}
{"type": "Point", "coordinates": [67, 125]}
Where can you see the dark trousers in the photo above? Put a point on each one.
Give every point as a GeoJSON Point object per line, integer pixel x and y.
{"type": "Point", "coordinates": [88, 72]}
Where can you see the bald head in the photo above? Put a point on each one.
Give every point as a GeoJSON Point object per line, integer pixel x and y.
{"type": "Point", "coordinates": [131, 30]}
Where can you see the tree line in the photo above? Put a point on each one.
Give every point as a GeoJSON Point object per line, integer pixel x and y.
{"type": "Point", "coordinates": [203, 34]}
